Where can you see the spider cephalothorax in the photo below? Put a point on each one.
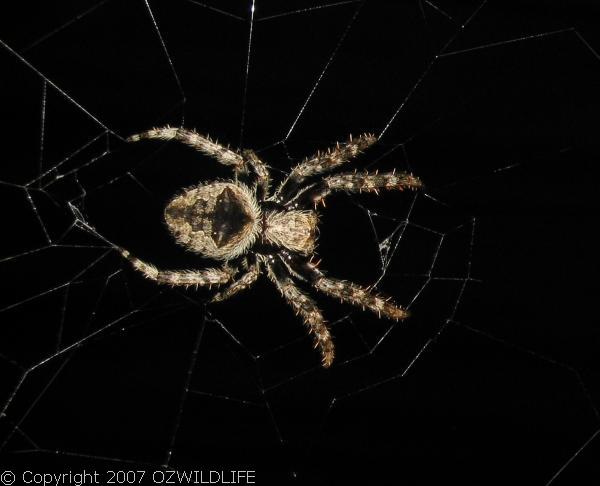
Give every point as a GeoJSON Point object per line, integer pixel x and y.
{"type": "Point", "coordinates": [245, 226]}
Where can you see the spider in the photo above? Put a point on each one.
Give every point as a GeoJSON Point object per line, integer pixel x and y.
{"type": "Point", "coordinates": [250, 230]}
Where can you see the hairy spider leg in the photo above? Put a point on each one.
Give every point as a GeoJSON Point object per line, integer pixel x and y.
{"type": "Point", "coordinates": [260, 170]}
{"type": "Point", "coordinates": [349, 292]}
{"type": "Point", "coordinates": [245, 281]}
{"type": "Point", "coordinates": [306, 308]}
{"type": "Point", "coordinates": [181, 278]}
{"type": "Point", "coordinates": [352, 182]}
{"type": "Point", "coordinates": [322, 162]}
{"type": "Point", "coordinates": [191, 138]}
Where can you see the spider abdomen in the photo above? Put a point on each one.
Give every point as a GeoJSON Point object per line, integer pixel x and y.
{"type": "Point", "coordinates": [220, 220]}
{"type": "Point", "coordinates": [230, 218]}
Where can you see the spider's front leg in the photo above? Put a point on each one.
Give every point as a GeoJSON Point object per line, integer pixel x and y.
{"type": "Point", "coordinates": [183, 278]}
{"type": "Point", "coordinates": [352, 182]}
{"type": "Point", "coordinates": [322, 162]}
{"type": "Point", "coordinates": [305, 307]}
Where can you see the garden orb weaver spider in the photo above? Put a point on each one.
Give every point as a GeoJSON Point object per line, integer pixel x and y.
{"type": "Point", "coordinates": [251, 230]}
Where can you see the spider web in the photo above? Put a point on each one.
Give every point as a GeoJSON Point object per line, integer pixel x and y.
{"type": "Point", "coordinates": [489, 102]}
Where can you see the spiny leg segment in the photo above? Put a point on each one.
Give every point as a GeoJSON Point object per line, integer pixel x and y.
{"type": "Point", "coordinates": [213, 149]}
{"type": "Point", "coordinates": [359, 296]}
{"type": "Point", "coordinates": [357, 182]}
{"type": "Point", "coordinates": [323, 162]}
{"type": "Point", "coordinates": [354, 294]}
{"type": "Point", "coordinates": [306, 307]}
{"type": "Point", "coordinates": [260, 170]}
{"type": "Point", "coordinates": [184, 278]}
{"type": "Point", "coordinates": [245, 281]}
{"type": "Point", "coordinates": [241, 163]}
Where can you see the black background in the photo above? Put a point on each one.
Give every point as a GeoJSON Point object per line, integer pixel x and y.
{"type": "Point", "coordinates": [494, 379]}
